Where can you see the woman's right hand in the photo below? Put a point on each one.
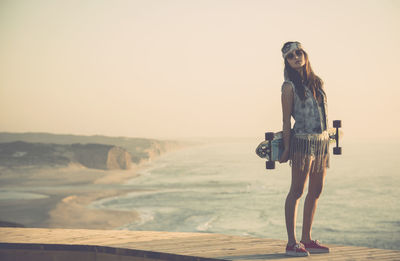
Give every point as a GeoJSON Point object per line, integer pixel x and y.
{"type": "Point", "coordinates": [285, 156]}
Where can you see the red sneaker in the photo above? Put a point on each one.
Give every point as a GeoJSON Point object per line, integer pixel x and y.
{"type": "Point", "coordinates": [315, 247]}
{"type": "Point", "coordinates": [296, 250]}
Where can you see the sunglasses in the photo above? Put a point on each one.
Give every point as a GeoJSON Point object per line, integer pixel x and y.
{"type": "Point", "coordinates": [298, 53]}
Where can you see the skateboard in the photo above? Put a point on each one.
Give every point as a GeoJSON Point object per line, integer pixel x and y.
{"type": "Point", "coordinates": [272, 148]}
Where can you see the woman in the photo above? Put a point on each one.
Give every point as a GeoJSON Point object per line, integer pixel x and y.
{"type": "Point", "coordinates": [307, 145]}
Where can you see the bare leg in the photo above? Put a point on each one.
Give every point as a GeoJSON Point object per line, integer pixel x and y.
{"type": "Point", "coordinates": [315, 186]}
{"type": "Point", "coordinates": [299, 178]}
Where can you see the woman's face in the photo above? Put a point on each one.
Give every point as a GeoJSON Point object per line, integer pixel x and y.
{"type": "Point", "coordinates": [296, 59]}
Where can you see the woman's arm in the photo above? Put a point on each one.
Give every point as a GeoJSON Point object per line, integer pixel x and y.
{"type": "Point", "coordinates": [287, 105]}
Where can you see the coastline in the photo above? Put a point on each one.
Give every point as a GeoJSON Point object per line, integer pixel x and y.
{"type": "Point", "coordinates": [46, 197]}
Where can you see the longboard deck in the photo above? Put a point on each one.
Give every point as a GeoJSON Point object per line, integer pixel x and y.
{"type": "Point", "coordinates": [277, 145]}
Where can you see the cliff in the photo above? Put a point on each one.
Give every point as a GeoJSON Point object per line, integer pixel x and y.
{"type": "Point", "coordinates": [100, 156]}
{"type": "Point", "coordinates": [99, 152]}
{"type": "Point", "coordinates": [97, 156]}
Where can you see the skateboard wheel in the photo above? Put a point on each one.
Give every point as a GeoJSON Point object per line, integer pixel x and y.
{"type": "Point", "coordinates": [337, 150]}
{"type": "Point", "coordinates": [337, 124]}
{"type": "Point", "coordinates": [270, 164]}
{"type": "Point", "coordinates": [269, 136]}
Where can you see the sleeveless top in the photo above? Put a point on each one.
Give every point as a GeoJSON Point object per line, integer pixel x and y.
{"type": "Point", "coordinates": [309, 135]}
{"type": "Point", "coordinates": [309, 117]}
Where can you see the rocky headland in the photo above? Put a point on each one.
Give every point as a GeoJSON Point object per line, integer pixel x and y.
{"type": "Point", "coordinates": [97, 152]}
{"type": "Point", "coordinates": [96, 156]}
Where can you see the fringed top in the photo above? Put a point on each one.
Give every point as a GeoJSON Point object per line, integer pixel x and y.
{"type": "Point", "coordinates": [309, 138]}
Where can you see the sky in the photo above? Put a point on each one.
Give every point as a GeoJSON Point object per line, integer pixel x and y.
{"type": "Point", "coordinates": [173, 69]}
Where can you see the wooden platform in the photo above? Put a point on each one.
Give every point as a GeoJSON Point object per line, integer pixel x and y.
{"type": "Point", "coordinates": [77, 244]}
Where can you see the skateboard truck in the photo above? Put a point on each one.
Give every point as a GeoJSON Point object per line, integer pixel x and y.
{"type": "Point", "coordinates": [337, 150]}
{"type": "Point", "coordinates": [270, 164]}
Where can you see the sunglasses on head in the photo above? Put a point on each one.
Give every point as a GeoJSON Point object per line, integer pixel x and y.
{"type": "Point", "coordinates": [298, 53]}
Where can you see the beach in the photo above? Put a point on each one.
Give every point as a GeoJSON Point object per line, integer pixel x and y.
{"type": "Point", "coordinates": [59, 197]}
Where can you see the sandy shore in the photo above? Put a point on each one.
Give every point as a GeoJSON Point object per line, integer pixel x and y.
{"type": "Point", "coordinates": [59, 197]}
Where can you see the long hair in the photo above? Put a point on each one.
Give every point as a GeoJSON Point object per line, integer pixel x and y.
{"type": "Point", "coordinates": [306, 77]}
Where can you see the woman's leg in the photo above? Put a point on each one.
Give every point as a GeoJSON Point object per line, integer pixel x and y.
{"type": "Point", "coordinates": [315, 186]}
{"type": "Point", "coordinates": [299, 178]}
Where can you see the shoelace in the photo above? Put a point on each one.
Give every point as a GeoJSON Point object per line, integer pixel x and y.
{"type": "Point", "coordinates": [317, 242]}
{"type": "Point", "coordinates": [298, 246]}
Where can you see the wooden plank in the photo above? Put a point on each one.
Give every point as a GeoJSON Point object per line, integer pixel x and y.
{"type": "Point", "coordinates": [189, 244]}
{"type": "Point", "coordinates": [198, 243]}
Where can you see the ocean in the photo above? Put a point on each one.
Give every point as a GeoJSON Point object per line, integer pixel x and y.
{"type": "Point", "coordinates": [224, 188]}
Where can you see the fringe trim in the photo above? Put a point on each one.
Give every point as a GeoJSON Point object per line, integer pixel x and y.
{"type": "Point", "coordinates": [307, 147]}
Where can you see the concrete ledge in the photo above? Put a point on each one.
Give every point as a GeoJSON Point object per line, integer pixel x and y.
{"type": "Point", "coordinates": [60, 252]}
